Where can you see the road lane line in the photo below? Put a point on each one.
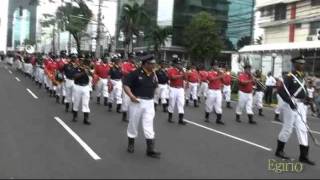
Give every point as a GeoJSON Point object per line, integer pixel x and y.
{"type": "Point", "coordinates": [279, 123]}
{"type": "Point", "coordinates": [76, 137]}
{"type": "Point", "coordinates": [228, 135]}
{"type": "Point", "coordinates": [32, 94]}
{"type": "Point", "coordinates": [18, 79]}
{"type": "Point", "coordinates": [10, 71]}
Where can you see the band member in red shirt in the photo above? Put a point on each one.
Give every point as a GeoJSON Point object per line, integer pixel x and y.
{"type": "Point", "coordinates": [246, 83]}
{"type": "Point", "coordinates": [214, 95]}
{"type": "Point", "coordinates": [193, 80]}
{"type": "Point", "coordinates": [60, 79]}
{"type": "Point", "coordinates": [102, 71]}
{"type": "Point", "coordinates": [227, 80]}
{"type": "Point", "coordinates": [177, 95]}
{"type": "Point", "coordinates": [203, 88]}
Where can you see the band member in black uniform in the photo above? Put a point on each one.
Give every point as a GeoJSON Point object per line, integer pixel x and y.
{"type": "Point", "coordinates": [81, 91]}
{"type": "Point", "coordinates": [116, 80]}
{"type": "Point", "coordinates": [294, 94]}
{"type": "Point", "coordinates": [69, 71]}
{"type": "Point", "coordinates": [140, 86]}
{"type": "Point", "coordinates": [162, 92]}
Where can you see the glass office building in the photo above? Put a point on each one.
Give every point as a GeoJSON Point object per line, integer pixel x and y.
{"type": "Point", "coordinates": [21, 23]}
{"type": "Point", "coordinates": [240, 20]}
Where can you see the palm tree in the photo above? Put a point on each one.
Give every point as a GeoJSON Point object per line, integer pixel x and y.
{"type": "Point", "coordinates": [131, 21]}
{"type": "Point", "coordinates": [158, 36]}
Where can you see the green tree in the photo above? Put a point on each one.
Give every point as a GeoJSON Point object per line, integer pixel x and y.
{"type": "Point", "coordinates": [157, 37]}
{"type": "Point", "coordinates": [259, 40]}
{"type": "Point", "coordinates": [201, 39]}
{"type": "Point", "coordinates": [132, 20]}
{"type": "Point", "coordinates": [244, 41]}
{"type": "Point", "coordinates": [74, 19]}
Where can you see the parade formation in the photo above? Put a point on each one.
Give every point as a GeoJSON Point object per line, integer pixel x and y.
{"type": "Point", "coordinates": [138, 86]}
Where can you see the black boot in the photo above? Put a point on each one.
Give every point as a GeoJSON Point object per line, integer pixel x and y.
{"type": "Point", "coordinates": [199, 99]}
{"type": "Point", "coordinates": [86, 119]}
{"type": "Point", "coordinates": [195, 103]}
{"type": "Point", "coordinates": [130, 145]}
{"type": "Point", "coordinates": [165, 107]}
{"type": "Point", "coordinates": [155, 106]}
{"type": "Point", "coordinates": [277, 117]}
{"type": "Point", "coordinates": [304, 152]}
{"type": "Point", "coordinates": [50, 93]}
{"type": "Point", "coordinates": [251, 121]}
{"type": "Point", "coordinates": [229, 105]}
{"type": "Point", "coordinates": [181, 121]}
{"type": "Point", "coordinates": [110, 107]}
{"type": "Point", "coordinates": [57, 99]}
{"type": "Point", "coordinates": [207, 117]}
{"type": "Point", "coordinates": [75, 115]}
{"type": "Point", "coordinates": [219, 121]}
{"type": "Point", "coordinates": [170, 118]}
{"type": "Point", "coordinates": [118, 108]}
{"type": "Point", "coordinates": [67, 107]}
{"type": "Point", "coordinates": [63, 98]}
{"type": "Point", "coordinates": [238, 118]}
{"type": "Point", "coordinates": [279, 152]}
{"type": "Point", "coordinates": [98, 100]}
{"type": "Point", "coordinates": [187, 102]}
{"type": "Point", "coordinates": [150, 149]}
{"type": "Point", "coordinates": [105, 102]}
{"type": "Point", "coordinates": [260, 112]}
{"type": "Point", "coordinates": [124, 117]}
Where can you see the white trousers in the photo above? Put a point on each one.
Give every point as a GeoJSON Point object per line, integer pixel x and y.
{"type": "Point", "coordinates": [39, 75]}
{"type": "Point", "coordinates": [125, 102]}
{"type": "Point", "coordinates": [192, 91]}
{"type": "Point", "coordinates": [61, 89]}
{"type": "Point", "coordinates": [203, 89]}
{"type": "Point", "coordinates": [280, 103]}
{"type": "Point", "coordinates": [116, 93]}
{"type": "Point", "coordinates": [227, 93]}
{"type": "Point", "coordinates": [162, 93]}
{"type": "Point", "coordinates": [291, 119]}
{"type": "Point", "coordinates": [81, 98]}
{"type": "Point", "coordinates": [143, 111]}
{"type": "Point", "coordinates": [258, 99]}
{"type": "Point", "coordinates": [245, 102]}
{"type": "Point", "coordinates": [214, 100]}
{"type": "Point", "coordinates": [102, 88]}
{"type": "Point", "coordinates": [69, 89]}
{"type": "Point", "coordinates": [176, 97]}
{"type": "Point", "coordinates": [28, 68]}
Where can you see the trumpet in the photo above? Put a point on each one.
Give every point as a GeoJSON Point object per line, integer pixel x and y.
{"type": "Point", "coordinates": [255, 80]}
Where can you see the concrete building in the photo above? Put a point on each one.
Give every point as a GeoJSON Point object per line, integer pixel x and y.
{"type": "Point", "coordinates": [291, 28]}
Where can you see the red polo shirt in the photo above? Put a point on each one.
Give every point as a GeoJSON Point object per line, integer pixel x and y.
{"type": "Point", "coordinates": [174, 77]}
{"type": "Point", "coordinates": [102, 70]}
{"type": "Point", "coordinates": [245, 87]}
{"type": "Point", "coordinates": [127, 67]}
{"type": "Point", "coordinates": [215, 84]}
{"type": "Point", "coordinates": [193, 76]}
{"type": "Point", "coordinates": [227, 79]}
{"type": "Point", "coordinates": [203, 76]}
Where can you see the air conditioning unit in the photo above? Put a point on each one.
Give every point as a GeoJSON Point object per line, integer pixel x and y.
{"type": "Point", "coordinates": [311, 38]}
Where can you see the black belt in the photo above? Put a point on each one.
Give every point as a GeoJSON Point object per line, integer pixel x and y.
{"type": "Point", "coordinates": [82, 84]}
{"type": "Point", "coordinates": [145, 98]}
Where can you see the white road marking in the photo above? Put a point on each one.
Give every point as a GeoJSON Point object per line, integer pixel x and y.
{"type": "Point", "coordinates": [279, 123]}
{"type": "Point", "coordinates": [18, 79]}
{"type": "Point", "coordinates": [76, 137]}
{"type": "Point", "coordinates": [228, 135]}
{"type": "Point", "coordinates": [32, 94]}
{"type": "Point", "coordinates": [10, 71]}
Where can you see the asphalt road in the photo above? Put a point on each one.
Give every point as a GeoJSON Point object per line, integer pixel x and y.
{"type": "Point", "coordinates": [38, 140]}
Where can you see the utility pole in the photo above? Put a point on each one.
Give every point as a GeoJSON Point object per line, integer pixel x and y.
{"type": "Point", "coordinates": [98, 49]}
{"type": "Point", "coordinates": [253, 22]}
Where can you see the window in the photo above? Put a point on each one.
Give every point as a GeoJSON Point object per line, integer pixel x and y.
{"type": "Point", "coordinates": [315, 3]}
{"type": "Point", "coordinates": [266, 12]}
{"type": "Point", "coordinates": [313, 27]}
{"type": "Point", "coordinates": [298, 26]}
{"type": "Point", "coordinates": [280, 12]}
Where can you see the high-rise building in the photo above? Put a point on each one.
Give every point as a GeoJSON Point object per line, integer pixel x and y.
{"type": "Point", "coordinates": [178, 14]}
{"type": "Point", "coordinates": [22, 20]}
{"type": "Point", "coordinates": [240, 20]}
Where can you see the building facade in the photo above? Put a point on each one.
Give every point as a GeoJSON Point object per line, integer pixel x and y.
{"type": "Point", "coordinates": [291, 28]}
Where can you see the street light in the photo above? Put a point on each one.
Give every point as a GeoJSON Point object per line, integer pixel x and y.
{"type": "Point", "coordinates": [274, 56]}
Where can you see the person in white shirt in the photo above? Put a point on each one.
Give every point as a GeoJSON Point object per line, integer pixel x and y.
{"type": "Point", "coordinates": [270, 84]}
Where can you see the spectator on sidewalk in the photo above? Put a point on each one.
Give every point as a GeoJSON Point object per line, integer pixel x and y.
{"type": "Point", "coordinates": [270, 84]}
